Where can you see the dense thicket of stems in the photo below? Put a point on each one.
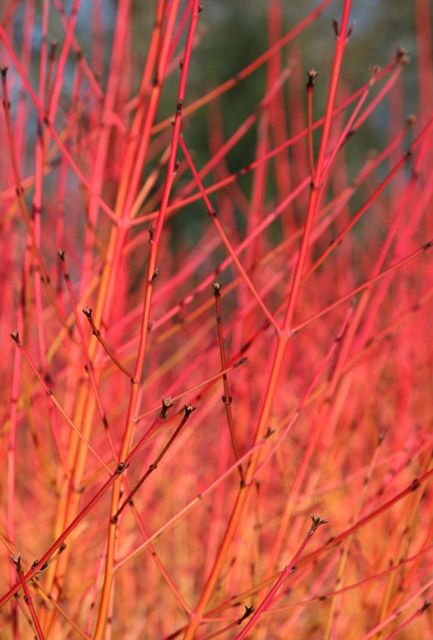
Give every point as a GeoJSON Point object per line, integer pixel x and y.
{"type": "Point", "coordinates": [216, 325]}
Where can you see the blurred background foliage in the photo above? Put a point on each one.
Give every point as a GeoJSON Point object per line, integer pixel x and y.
{"type": "Point", "coordinates": [235, 33]}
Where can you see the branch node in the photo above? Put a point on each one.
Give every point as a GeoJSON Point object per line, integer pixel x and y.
{"type": "Point", "coordinates": [121, 467]}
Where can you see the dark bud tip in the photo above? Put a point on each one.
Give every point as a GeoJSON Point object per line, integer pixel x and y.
{"type": "Point", "coordinates": [336, 27]}
{"type": "Point", "coordinates": [248, 611]}
{"type": "Point", "coordinates": [15, 336]}
{"type": "Point", "coordinates": [414, 485]}
{"type": "Point", "coordinates": [16, 559]}
{"type": "Point", "coordinates": [410, 119]}
{"type": "Point", "coordinates": [188, 408]}
{"type": "Point", "coordinates": [402, 56]}
{"type": "Point", "coordinates": [87, 312]}
{"type": "Point", "coordinates": [166, 404]}
{"type": "Point", "coordinates": [316, 522]}
{"type": "Point", "coordinates": [425, 606]}
{"type": "Point", "coordinates": [216, 288]}
{"type": "Point", "coordinates": [311, 75]}
{"type": "Point", "coordinates": [61, 254]}
{"type": "Point", "coordinates": [4, 72]}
